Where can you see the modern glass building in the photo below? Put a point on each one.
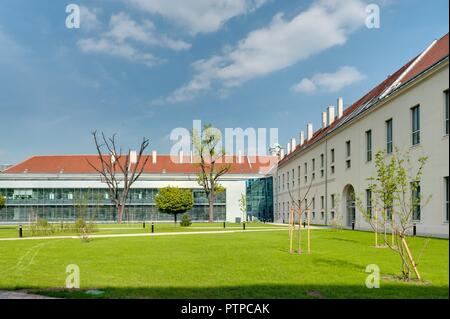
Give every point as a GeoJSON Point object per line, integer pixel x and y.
{"type": "Point", "coordinates": [58, 204]}
{"type": "Point", "coordinates": [60, 188]}
{"type": "Point", "coordinates": [259, 192]}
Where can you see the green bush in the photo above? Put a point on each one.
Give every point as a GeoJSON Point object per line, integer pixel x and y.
{"type": "Point", "coordinates": [186, 220]}
{"type": "Point", "coordinates": [84, 229]}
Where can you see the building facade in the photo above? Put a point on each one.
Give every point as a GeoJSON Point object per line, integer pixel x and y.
{"type": "Point", "coordinates": [63, 187]}
{"type": "Point", "coordinates": [408, 111]}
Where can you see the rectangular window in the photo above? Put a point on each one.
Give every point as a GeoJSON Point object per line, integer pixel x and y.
{"type": "Point", "coordinates": [332, 155]}
{"type": "Point", "coordinates": [369, 146]}
{"type": "Point", "coordinates": [306, 168]}
{"type": "Point", "coordinates": [415, 187]}
{"type": "Point", "coordinates": [332, 170]}
{"type": "Point", "coordinates": [348, 163]}
{"type": "Point", "coordinates": [322, 160]}
{"type": "Point", "coordinates": [389, 137]}
{"type": "Point", "coordinates": [369, 202]}
{"type": "Point", "coordinates": [332, 201]}
{"type": "Point", "coordinates": [322, 202]}
{"type": "Point", "coordinates": [446, 111]}
{"type": "Point", "coordinates": [446, 199]}
{"type": "Point", "coordinates": [415, 117]}
{"type": "Point", "coordinates": [313, 164]}
{"type": "Point", "coordinates": [348, 148]}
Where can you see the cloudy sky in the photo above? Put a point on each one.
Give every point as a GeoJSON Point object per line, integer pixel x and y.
{"type": "Point", "coordinates": [144, 67]}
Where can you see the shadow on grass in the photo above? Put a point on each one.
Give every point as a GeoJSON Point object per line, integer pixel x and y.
{"type": "Point", "coordinates": [263, 291]}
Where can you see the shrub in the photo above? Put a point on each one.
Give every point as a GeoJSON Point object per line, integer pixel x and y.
{"type": "Point", "coordinates": [186, 220]}
{"type": "Point", "coordinates": [84, 229]}
{"type": "Point", "coordinates": [41, 227]}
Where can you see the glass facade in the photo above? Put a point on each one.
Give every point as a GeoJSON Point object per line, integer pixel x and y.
{"type": "Point", "coordinates": [56, 204]}
{"type": "Point", "coordinates": [259, 194]}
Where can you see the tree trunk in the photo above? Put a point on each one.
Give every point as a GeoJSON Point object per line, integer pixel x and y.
{"type": "Point", "coordinates": [175, 219]}
{"type": "Point", "coordinates": [119, 214]}
{"type": "Point", "coordinates": [211, 208]}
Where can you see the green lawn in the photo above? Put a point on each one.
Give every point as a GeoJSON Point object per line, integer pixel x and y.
{"type": "Point", "coordinates": [228, 265]}
{"type": "Point", "coordinates": [137, 228]}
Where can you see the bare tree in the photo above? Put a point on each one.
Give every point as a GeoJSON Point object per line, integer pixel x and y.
{"type": "Point", "coordinates": [117, 170]}
{"type": "Point", "coordinates": [300, 207]}
{"type": "Point", "coordinates": [207, 146]}
{"type": "Point", "coordinates": [396, 198]}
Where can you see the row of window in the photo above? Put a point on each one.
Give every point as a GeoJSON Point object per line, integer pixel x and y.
{"type": "Point", "coordinates": [92, 195]}
{"type": "Point", "coordinates": [415, 140]}
{"type": "Point", "coordinates": [284, 207]}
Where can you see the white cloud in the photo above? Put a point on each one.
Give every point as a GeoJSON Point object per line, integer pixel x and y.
{"type": "Point", "coordinates": [332, 82]}
{"type": "Point", "coordinates": [123, 50]}
{"type": "Point", "coordinates": [325, 24]}
{"type": "Point", "coordinates": [88, 18]}
{"type": "Point", "coordinates": [199, 16]}
{"type": "Point", "coordinates": [123, 35]}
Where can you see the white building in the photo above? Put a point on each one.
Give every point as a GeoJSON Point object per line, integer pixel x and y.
{"type": "Point", "coordinates": [50, 186]}
{"type": "Point", "coordinates": [408, 110]}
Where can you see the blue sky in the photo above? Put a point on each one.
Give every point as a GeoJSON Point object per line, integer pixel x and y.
{"type": "Point", "coordinates": [144, 67]}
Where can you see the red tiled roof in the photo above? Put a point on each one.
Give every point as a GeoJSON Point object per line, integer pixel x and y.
{"type": "Point", "coordinates": [79, 164]}
{"type": "Point", "coordinates": [436, 53]}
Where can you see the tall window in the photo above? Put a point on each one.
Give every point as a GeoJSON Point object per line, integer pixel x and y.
{"type": "Point", "coordinates": [332, 155]}
{"type": "Point", "coordinates": [369, 146]}
{"type": "Point", "coordinates": [332, 201]}
{"type": "Point", "coordinates": [348, 148]}
{"type": "Point", "coordinates": [369, 202]}
{"type": "Point", "coordinates": [416, 200]}
{"type": "Point", "coordinates": [415, 116]}
{"type": "Point", "coordinates": [322, 202]}
{"type": "Point", "coordinates": [322, 160]}
{"type": "Point", "coordinates": [446, 199]}
{"type": "Point", "coordinates": [313, 164]}
{"type": "Point", "coordinates": [389, 137]}
{"type": "Point", "coordinates": [446, 111]}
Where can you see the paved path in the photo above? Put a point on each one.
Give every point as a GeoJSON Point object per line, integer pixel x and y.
{"type": "Point", "coordinates": [20, 295]}
{"type": "Point", "coordinates": [151, 234]}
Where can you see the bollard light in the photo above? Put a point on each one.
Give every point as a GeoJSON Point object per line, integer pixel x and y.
{"type": "Point", "coordinates": [20, 231]}
{"type": "Point", "coordinates": [143, 224]}
{"type": "Point", "coordinates": [223, 224]}
{"type": "Point", "coordinates": [243, 226]}
{"type": "Point", "coordinates": [153, 227]}
{"type": "Point", "coordinates": [353, 225]}
{"type": "Point", "coordinates": [414, 230]}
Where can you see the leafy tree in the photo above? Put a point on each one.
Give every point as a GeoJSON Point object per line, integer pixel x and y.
{"type": "Point", "coordinates": [2, 202]}
{"type": "Point", "coordinates": [211, 162]}
{"type": "Point", "coordinates": [395, 199]}
{"type": "Point", "coordinates": [174, 201]}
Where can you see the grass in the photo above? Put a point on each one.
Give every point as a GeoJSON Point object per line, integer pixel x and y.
{"type": "Point", "coordinates": [233, 265]}
{"type": "Point", "coordinates": [136, 228]}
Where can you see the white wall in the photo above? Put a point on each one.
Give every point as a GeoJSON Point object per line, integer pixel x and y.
{"type": "Point", "coordinates": [428, 92]}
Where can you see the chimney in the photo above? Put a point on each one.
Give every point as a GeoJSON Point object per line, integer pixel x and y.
{"type": "Point", "coordinates": [324, 119]}
{"type": "Point", "coordinates": [282, 153]}
{"type": "Point", "coordinates": [293, 144]}
{"type": "Point", "coordinates": [192, 157]}
{"type": "Point", "coordinates": [288, 148]}
{"type": "Point", "coordinates": [302, 138]}
{"type": "Point", "coordinates": [330, 112]}
{"type": "Point", "coordinates": [154, 157]}
{"type": "Point", "coordinates": [180, 156]}
{"type": "Point", "coordinates": [340, 107]}
{"type": "Point", "coordinates": [113, 158]}
{"type": "Point", "coordinates": [309, 131]}
{"type": "Point", "coordinates": [133, 157]}
{"type": "Point", "coordinates": [239, 157]}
